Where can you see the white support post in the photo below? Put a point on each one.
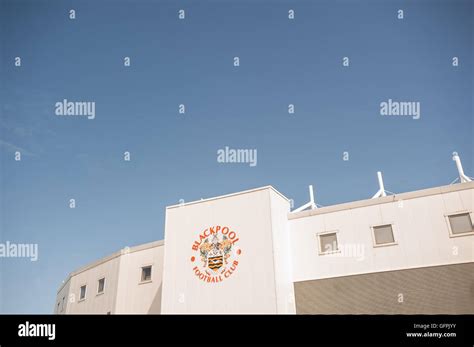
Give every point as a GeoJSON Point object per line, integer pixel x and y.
{"type": "Point", "coordinates": [381, 192]}
{"type": "Point", "coordinates": [311, 197]}
{"type": "Point", "coordinates": [382, 188]}
{"type": "Point", "coordinates": [462, 177]}
{"type": "Point", "coordinates": [311, 202]}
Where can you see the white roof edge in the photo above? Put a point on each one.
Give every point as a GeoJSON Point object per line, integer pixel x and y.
{"type": "Point", "coordinates": [228, 196]}
{"type": "Point", "coordinates": [68, 278]}
{"type": "Point", "coordinates": [114, 255]}
{"type": "Point", "coordinates": [382, 200]}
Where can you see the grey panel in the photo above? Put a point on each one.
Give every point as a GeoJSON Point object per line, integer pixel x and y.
{"type": "Point", "coordinates": [383, 234]}
{"type": "Point", "coordinates": [328, 242]}
{"type": "Point", "coordinates": [447, 289]}
{"type": "Point", "coordinates": [460, 223]}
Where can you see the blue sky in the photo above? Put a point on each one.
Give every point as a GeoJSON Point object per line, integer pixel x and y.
{"type": "Point", "coordinates": [191, 62]}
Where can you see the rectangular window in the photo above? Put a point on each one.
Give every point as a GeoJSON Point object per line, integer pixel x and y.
{"type": "Point", "coordinates": [101, 286]}
{"type": "Point", "coordinates": [460, 223]}
{"type": "Point", "coordinates": [383, 235]}
{"type": "Point", "coordinates": [328, 243]}
{"type": "Point", "coordinates": [146, 273]}
{"type": "Point", "coordinates": [64, 299]}
{"type": "Point", "coordinates": [82, 295]}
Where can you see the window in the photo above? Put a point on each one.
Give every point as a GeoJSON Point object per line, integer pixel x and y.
{"type": "Point", "coordinates": [146, 273]}
{"type": "Point", "coordinates": [82, 295]}
{"type": "Point", "coordinates": [101, 286]}
{"type": "Point", "coordinates": [57, 309]}
{"type": "Point", "coordinates": [460, 224]}
{"type": "Point", "coordinates": [383, 235]}
{"type": "Point", "coordinates": [62, 309]}
{"type": "Point", "coordinates": [328, 243]}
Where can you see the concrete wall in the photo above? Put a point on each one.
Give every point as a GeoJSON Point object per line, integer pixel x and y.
{"type": "Point", "coordinates": [124, 292]}
{"type": "Point", "coordinates": [94, 302]}
{"type": "Point", "coordinates": [133, 296]}
{"type": "Point", "coordinates": [62, 298]}
{"type": "Point", "coordinates": [281, 253]}
{"type": "Point", "coordinates": [420, 227]}
{"type": "Point", "coordinates": [252, 287]}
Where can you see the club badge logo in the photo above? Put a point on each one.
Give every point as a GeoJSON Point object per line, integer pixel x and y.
{"type": "Point", "coordinates": [216, 254]}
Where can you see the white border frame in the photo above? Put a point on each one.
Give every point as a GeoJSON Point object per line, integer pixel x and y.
{"type": "Point", "coordinates": [394, 233]}
{"type": "Point", "coordinates": [446, 217]}
{"type": "Point", "coordinates": [85, 293]}
{"type": "Point", "coordinates": [318, 239]}
{"type": "Point", "coordinates": [141, 272]}
{"type": "Point", "coordinates": [105, 283]}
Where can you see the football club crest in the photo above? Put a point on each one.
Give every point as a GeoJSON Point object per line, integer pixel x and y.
{"type": "Point", "coordinates": [216, 254]}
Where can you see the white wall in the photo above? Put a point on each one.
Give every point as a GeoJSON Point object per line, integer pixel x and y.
{"type": "Point", "coordinates": [281, 254]}
{"type": "Point", "coordinates": [62, 298]}
{"type": "Point", "coordinates": [124, 292]}
{"type": "Point", "coordinates": [132, 295]}
{"type": "Point", "coordinates": [252, 287]}
{"type": "Point", "coordinates": [94, 302]}
{"type": "Point", "coordinates": [420, 228]}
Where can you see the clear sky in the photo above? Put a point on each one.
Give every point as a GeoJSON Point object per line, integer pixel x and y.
{"type": "Point", "coordinates": [190, 62]}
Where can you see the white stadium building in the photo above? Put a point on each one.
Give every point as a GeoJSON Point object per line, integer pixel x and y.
{"type": "Point", "coordinates": [409, 253]}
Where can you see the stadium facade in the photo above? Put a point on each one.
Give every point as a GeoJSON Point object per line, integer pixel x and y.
{"type": "Point", "coordinates": [409, 253]}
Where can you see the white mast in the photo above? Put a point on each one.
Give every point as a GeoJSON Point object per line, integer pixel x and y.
{"type": "Point", "coordinates": [462, 177]}
{"type": "Point", "coordinates": [311, 202]}
{"type": "Point", "coordinates": [381, 192]}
